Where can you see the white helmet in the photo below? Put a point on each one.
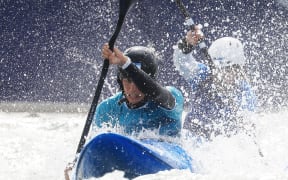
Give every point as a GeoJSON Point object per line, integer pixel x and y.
{"type": "Point", "coordinates": [227, 51]}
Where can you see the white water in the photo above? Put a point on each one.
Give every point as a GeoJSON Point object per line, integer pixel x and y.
{"type": "Point", "coordinates": [39, 145]}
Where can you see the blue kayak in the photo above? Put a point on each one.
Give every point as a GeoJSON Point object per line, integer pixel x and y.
{"type": "Point", "coordinates": [108, 152]}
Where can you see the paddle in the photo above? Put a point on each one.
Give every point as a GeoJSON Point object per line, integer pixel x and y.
{"type": "Point", "coordinates": [124, 6]}
{"type": "Point", "coordinates": [189, 21]}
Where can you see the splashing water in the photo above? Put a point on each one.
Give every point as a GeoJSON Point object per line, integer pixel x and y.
{"type": "Point", "coordinates": [39, 146]}
{"type": "Point", "coordinates": [44, 55]}
{"type": "Point", "coordinates": [237, 157]}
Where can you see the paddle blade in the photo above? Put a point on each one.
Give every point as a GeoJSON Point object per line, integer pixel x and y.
{"type": "Point", "coordinates": [125, 6]}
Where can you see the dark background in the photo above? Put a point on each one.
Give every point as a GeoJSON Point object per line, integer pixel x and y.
{"type": "Point", "coordinates": [50, 50]}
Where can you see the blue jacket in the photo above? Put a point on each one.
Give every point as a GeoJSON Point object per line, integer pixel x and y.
{"type": "Point", "coordinates": [150, 116]}
{"type": "Point", "coordinates": [208, 108]}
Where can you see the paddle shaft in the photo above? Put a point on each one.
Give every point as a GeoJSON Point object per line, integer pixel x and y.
{"type": "Point", "coordinates": [124, 6]}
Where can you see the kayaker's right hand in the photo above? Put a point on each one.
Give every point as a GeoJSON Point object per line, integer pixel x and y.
{"type": "Point", "coordinates": [115, 57]}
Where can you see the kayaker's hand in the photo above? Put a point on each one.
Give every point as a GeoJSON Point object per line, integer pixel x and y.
{"type": "Point", "coordinates": [68, 169]}
{"type": "Point", "coordinates": [193, 37]}
{"type": "Point", "coordinates": [115, 57]}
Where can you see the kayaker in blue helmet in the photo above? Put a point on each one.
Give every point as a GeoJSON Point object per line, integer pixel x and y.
{"type": "Point", "coordinates": [142, 104]}
{"type": "Point", "coordinates": [221, 94]}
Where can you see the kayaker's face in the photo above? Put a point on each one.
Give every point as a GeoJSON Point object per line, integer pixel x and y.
{"type": "Point", "coordinates": [132, 93]}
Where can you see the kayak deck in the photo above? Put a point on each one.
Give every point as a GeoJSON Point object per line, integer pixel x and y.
{"type": "Point", "coordinates": [108, 152]}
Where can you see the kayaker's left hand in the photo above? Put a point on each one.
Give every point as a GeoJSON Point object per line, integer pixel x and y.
{"type": "Point", "coordinates": [193, 37]}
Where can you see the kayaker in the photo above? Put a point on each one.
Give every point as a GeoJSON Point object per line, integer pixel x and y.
{"type": "Point", "coordinates": [142, 103]}
{"type": "Point", "coordinates": [221, 94]}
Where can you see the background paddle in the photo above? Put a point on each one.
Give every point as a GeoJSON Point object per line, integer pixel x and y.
{"type": "Point", "coordinates": [124, 6]}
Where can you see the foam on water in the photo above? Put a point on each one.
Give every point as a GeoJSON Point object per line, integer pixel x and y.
{"type": "Point", "coordinates": [39, 145]}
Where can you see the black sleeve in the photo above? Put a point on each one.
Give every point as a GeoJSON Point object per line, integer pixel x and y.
{"type": "Point", "coordinates": [150, 87]}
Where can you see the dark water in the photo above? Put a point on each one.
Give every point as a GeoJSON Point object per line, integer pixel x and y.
{"type": "Point", "coordinates": [50, 50]}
